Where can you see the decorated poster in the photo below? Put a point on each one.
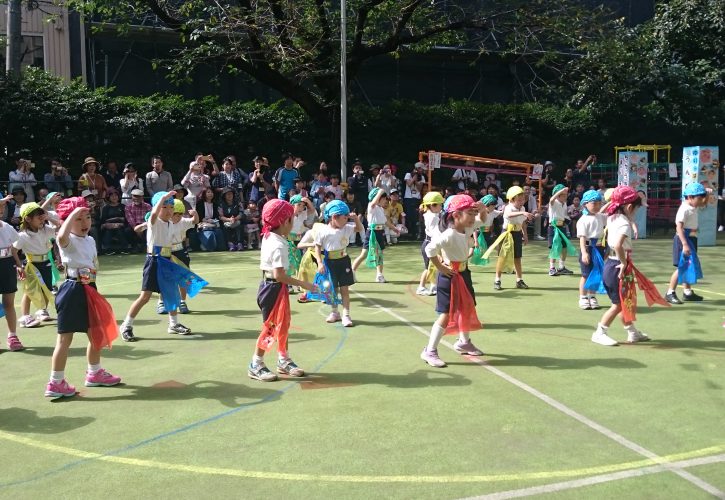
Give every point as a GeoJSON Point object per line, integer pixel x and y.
{"type": "Point", "coordinates": [633, 171]}
{"type": "Point", "coordinates": [434, 160]}
{"type": "Point", "coordinates": [701, 164]}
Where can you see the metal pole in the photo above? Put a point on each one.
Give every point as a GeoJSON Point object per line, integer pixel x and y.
{"type": "Point", "coordinates": [343, 91]}
{"type": "Point", "coordinates": [14, 37]}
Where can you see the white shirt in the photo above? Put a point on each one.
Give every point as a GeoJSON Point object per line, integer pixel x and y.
{"type": "Point", "coordinates": [591, 226]}
{"type": "Point", "coordinates": [557, 210]}
{"type": "Point", "coordinates": [179, 229]}
{"type": "Point", "coordinates": [274, 253]}
{"type": "Point", "coordinates": [451, 245]}
{"type": "Point", "coordinates": [463, 176]}
{"type": "Point", "coordinates": [412, 191]}
{"type": "Point", "coordinates": [37, 243]}
{"type": "Point", "coordinates": [337, 190]}
{"type": "Point", "coordinates": [8, 235]}
{"type": "Point", "coordinates": [507, 219]}
{"type": "Point", "coordinates": [687, 215]}
{"type": "Point", "coordinates": [376, 214]}
{"type": "Point", "coordinates": [431, 221]}
{"type": "Point", "coordinates": [80, 252]}
{"type": "Point", "coordinates": [159, 234]}
{"type": "Point", "coordinates": [618, 225]}
{"type": "Point", "coordinates": [332, 239]}
{"type": "Point", "coordinates": [490, 216]}
{"type": "Point", "coordinates": [298, 223]}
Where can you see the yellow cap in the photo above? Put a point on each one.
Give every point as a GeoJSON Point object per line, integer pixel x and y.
{"type": "Point", "coordinates": [27, 208]}
{"type": "Point", "coordinates": [608, 194]}
{"type": "Point", "coordinates": [513, 192]}
{"type": "Point", "coordinates": [432, 197]}
{"type": "Point", "coordinates": [179, 207]}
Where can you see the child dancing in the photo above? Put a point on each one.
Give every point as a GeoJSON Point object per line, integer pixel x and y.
{"type": "Point", "coordinates": [374, 242]}
{"type": "Point", "coordinates": [431, 208]}
{"type": "Point", "coordinates": [559, 244]}
{"type": "Point", "coordinates": [590, 230]}
{"type": "Point", "coordinates": [11, 269]}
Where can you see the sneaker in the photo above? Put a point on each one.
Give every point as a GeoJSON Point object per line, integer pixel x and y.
{"type": "Point", "coordinates": [14, 343]}
{"type": "Point", "coordinates": [593, 303]}
{"type": "Point", "coordinates": [672, 298]}
{"type": "Point", "coordinates": [585, 304]}
{"type": "Point", "coordinates": [179, 329]}
{"type": "Point", "coordinates": [634, 336]}
{"type": "Point", "coordinates": [693, 297]}
{"type": "Point", "coordinates": [433, 290]}
{"type": "Point", "coordinates": [564, 270]}
{"type": "Point", "coordinates": [431, 357]}
{"type": "Point", "coordinates": [539, 238]}
{"type": "Point", "coordinates": [183, 308]}
{"type": "Point", "coordinates": [553, 271]}
{"type": "Point", "coordinates": [421, 290]}
{"type": "Point", "coordinates": [160, 308]}
{"type": "Point", "coordinates": [59, 389]}
{"type": "Point", "coordinates": [127, 333]}
{"type": "Point", "coordinates": [101, 378]}
{"type": "Point", "coordinates": [467, 348]}
{"type": "Point", "coordinates": [497, 285]}
{"type": "Point", "coordinates": [28, 322]}
{"type": "Point", "coordinates": [346, 321]}
{"type": "Point", "coordinates": [261, 372]}
{"type": "Point", "coordinates": [380, 278]}
{"type": "Point", "coordinates": [302, 299]}
{"type": "Point", "coordinates": [288, 367]}
{"type": "Point", "coordinates": [522, 285]}
{"type": "Point", "coordinates": [232, 247]}
{"type": "Point", "coordinates": [240, 247]}
{"type": "Point", "coordinates": [601, 338]}
{"type": "Point", "coordinates": [42, 315]}
{"type": "Point", "coordinates": [333, 317]}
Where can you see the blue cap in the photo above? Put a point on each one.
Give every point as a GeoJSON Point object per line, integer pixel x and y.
{"type": "Point", "coordinates": [694, 189]}
{"type": "Point", "coordinates": [336, 207]}
{"type": "Point", "coordinates": [157, 198]}
{"type": "Point", "coordinates": [592, 195]}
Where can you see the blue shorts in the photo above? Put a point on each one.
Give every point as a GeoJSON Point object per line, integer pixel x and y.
{"type": "Point", "coordinates": [587, 268]}
{"type": "Point", "coordinates": [267, 297]}
{"type": "Point", "coordinates": [150, 280]}
{"type": "Point", "coordinates": [72, 306]}
{"type": "Point", "coordinates": [677, 249]}
{"type": "Point", "coordinates": [443, 296]}
{"type": "Point", "coordinates": [8, 276]}
{"type": "Point", "coordinates": [379, 236]}
{"type": "Point", "coordinates": [183, 256]}
{"type": "Point", "coordinates": [611, 280]}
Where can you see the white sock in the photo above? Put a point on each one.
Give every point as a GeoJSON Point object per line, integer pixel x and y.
{"type": "Point", "coordinates": [464, 337]}
{"type": "Point", "coordinates": [519, 279]}
{"type": "Point", "coordinates": [561, 264]}
{"type": "Point", "coordinates": [12, 334]}
{"type": "Point", "coordinates": [688, 291]}
{"type": "Point", "coordinates": [436, 334]}
{"type": "Point", "coordinates": [128, 321]}
{"type": "Point", "coordinates": [552, 263]}
{"type": "Point", "coordinates": [346, 312]}
{"type": "Point", "coordinates": [94, 368]}
{"type": "Point", "coordinates": [601, 328]}
{"type": "Point", "coordinates": [57, 376]}
{"type": "Point", "coordinates": [670, 290]}
{"type": "Point", "coordinates": [334, 309]}
{"type": "Point", "coordinates": [257, 360]}
{"type": "Point", "coordinates": [173, 320]}
{"type": "Point", "coordinates": [630, 328]}
{"type": "Point", "coordinates": [590, 295]}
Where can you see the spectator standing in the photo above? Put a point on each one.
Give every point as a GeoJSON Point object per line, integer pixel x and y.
{"type": "Point", "coordinates": [549, 180]}
{"type": "Point", "coordinates": [129, 183]}
{"type": "Point", "coordinates": [284, 177]}
{"type": "Point", "coordinates": [58, 180]}
{"type": "Point", "coordinates": [414, 182]}
{"type": "Point", "coordinates": [12, 209]}
{"type": "Point", "coordinates": [112, 175]}
{"type": "Point", "coordinates": [92, 180]}
{"type": "Point", "coordinates": [386, 180]}
{"type": "Point", "coordinates": [195, 180]}
{"type": "Point", "coordinates": [582, 172]}
{"type": "Point", "coordinates": [230, 217]}
{"type": "Point", "coordinates": [230, 177]}
{"type": "Point", "coordinates": [261, 179]}
{"type": "Point", "coordinates": [464, 177]}
{"type": "Point", "coordinates": [158, 179]}
{"type": "Point", "coordinates": [532, 206]}
{"type": "Point", "coordinates": [136, 215]}
{"type": "Point", "coordinates": [358, 186]}
{"type": "Point", "coordinates": [23, 177]}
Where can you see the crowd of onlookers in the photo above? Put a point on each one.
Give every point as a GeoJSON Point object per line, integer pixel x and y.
{"type": "Point", "coordinates": [229, 197]}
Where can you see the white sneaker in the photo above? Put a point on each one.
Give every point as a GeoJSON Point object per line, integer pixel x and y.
{"type": "Point", "coordinates": [346, 321]}
{"type": "Point", "coordinates": [380, 278]}
{"type": "Point", "coordinates": [333, 317]}
{"type": "Point", "coordinates": [634, 336]}
{"type": "Point", "coordinates": [421, 290]}
{"type": "Point", "coordinates": [584, 303]}
{"type": "Point", "coordinates": [601, 338]}
{"type": "Point", "coordinates": [433, 290]}
{"type": "Point", "coordinates": [28, 322]}
{"type": "Point", "coordinates": [42, 315]}
{"type": "Point", "coordinates": [593, 303]}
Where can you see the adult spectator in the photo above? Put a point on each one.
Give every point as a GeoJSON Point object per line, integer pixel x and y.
{"type": "Point", "coordinates": [569, 179]}
{"type": "Point", "coordinates": [129, 182]}
{"type": "Point", "coordinates": [549, 181]}
{"type": "Point", "coordinates": [208, 164]}
{"type": "Point", "coordinates": [58, 180]}
{"type": "Point", "coordinates": [386, 181]}
{"type": "Point", "coordinates": [158, 179]}
{"type": "Point", "coordinates": [135, 215]}
{"type": "Point", "coordinates": [230, 218]}
{"type": "Point", "coordinates": [181, 194]}
{"type": "Point", "coordinates": [374, 172]}
{"type": "Point", "coordinates": [358, 186]}
{"type": "Point", "coordinates": [23, 177]}
{"type": "Point", "coordinates": [464, 177]}
{"type": "Point", "coordinates": [94, 206]}
{"type": "Point", "coordinates": [12, 209]}
{"type": "Point", "coordinates": [112, 175]}
{"type": "Point", "coordinates": [230, 178]}
{"type": "Point", "coordinates": [261, 179]}
{"type": "Point", "coordinates": [574, 212]}
{"type": "Point", "coordinates": [210, 234]}
{"type": "Point", "coordinates": [284, 177]}
{"type": "Point", "coordinates": [582, 172]}
{"type": "Point", "coordinates": [92, 180]}
{"type": "Point", "coordinates": [114, 231]}
{"type": "Point", "coordinates": [414, 182]}
{"type": "Point", "coordinates": [195, 180]}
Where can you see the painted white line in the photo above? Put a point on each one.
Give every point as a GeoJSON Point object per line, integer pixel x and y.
{"type": "Point", "coordinates": [602, 478]}
{"type": "Point", "coordinates": [565, 409]}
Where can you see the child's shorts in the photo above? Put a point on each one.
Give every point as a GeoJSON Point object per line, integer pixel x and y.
{"type": "Point", "coordinates": [677, 249]}
{"type": "Point", "coordinates": [550, 233]}
{"type": "Point", "coordinates": [183, 256]}
{"type": "Point", "coordinates": [443, 297]}
{"type": "Point", "coordinates": [8, 276]}
{"type": "Point", "coordinates": [267, 296]}
{"type": "Point", "coordinates": [45, 269]}
{"type": "Point", "coordinates": [379, 235]}
{"type": "Point", "coordinates": [489, 237]}
{"type": "Point", "coordinates": [518, 244]}
{"type": "Point", "coordinates": [72, 306]}
{"type": "Point", "coordinates": [341, 272]}
{"type": "Point", "coordinates": [611, 280]}
{"type": "Point", "coordinates": [426, 259]}
{"type": "Point", "coordinates": [150, 280]}
{"type": "Point", "coordinates": [587, 268]}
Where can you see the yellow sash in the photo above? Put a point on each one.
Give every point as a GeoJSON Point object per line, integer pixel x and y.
{"type": "Point", "coordinates": [506, 242]}
{"type": "Point", "coordinates": [36, 290]}
{"type": "Point", "coordinates": [307, 269]}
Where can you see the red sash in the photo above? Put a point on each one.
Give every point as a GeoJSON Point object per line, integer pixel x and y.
{"type": "Point", "coordinates": [102, 327]}
{"type": "Point", "coordinates": [632, 278]}
{"type": "Point", "coordinates": [277, 325]}
{"type": "Point", "coordinates": [462, 315]}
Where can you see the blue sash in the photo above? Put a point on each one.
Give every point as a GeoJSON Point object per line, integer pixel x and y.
{"type": "Point", "coordinates": [326, 289]}
{"type": "Point", "coordinates": [171, 276]}
{"type": "Point", "coordinates": [595, 281]}
{"type": "Point", "coordinates": [689, 269]}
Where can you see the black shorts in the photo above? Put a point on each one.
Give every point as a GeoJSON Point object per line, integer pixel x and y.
{"type": "Point", "coordinates": [183, 256]}
{"type": "Point", "coordinates": [341, 272]}
{"type": "Point", "coordinates": [379, 235]}
{"type": "Point", "coordinates": [587, 268]}
{"type": "Point", "coordinates": [677, 249]}
{"type": "Point", "coordinates": [443, 284]}
{"type": "Point", "coordinates": [72, 306]}
{"type": "Point", "coordinates": [267, 297]}
{"type": "Point", "coordinates": [45, 269]}
{"type": "Point", "coordinates": [8, 276]}
{"type": "Point", "coordinates": [426, 259]}
{"type": "Point", "coordinates": [150, 279]}
{"type": "Point", "coordinates": [611, 280]}
{"type": "Point", "coordinates": [489, 237]}
{"type": "Point", "coordinates": [518, 244]}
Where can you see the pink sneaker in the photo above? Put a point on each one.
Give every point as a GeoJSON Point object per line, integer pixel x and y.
{"type": "Point", "coordinates": [101, 377]}
{"type": "Point", "coordinates": [334, 317]}
{"type": "Point", "coordinates": [431, 357]}
{"type": "Point", "coordinates": [346, 321]}
{"type": "Point", "coordinates": [467, 348]}
{"type": "Point", "coordinates": [14, 344]}
{"type": "Point", "coordinates": [59, 389]}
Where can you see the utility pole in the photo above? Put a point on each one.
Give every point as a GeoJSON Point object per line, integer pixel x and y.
{"type": "Point", "coordinates": [343, 91]}
{"type": "Point", "coordinates": [14, 37]}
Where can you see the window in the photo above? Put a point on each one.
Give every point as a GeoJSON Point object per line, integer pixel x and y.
{"type": "Point", "coordinates": [31, 52]}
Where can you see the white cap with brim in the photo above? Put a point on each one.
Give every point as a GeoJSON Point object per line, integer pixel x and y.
{"type": "Point", "coordinates": [136, 192]}
{"type": "Point", "coordinates": [86, 193]}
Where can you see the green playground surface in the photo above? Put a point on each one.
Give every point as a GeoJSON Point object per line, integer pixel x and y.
{"type": "Point", "coordinates": [545, 412]}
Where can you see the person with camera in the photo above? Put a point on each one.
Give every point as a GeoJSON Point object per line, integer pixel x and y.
{"type": "Point", "coordinates": [261, 179]}
{"type": "Point", "coordinates": [23, 177]}
{"type": "Point", "coordinates": [386, 181]}
{"type": "Point", "coordinates": [158, 179]}
{"type": "Point", "coordinates": [229, 178]}
{"type": "Point", "coordinates": [284, 177]}
{"type": "Point", "coordinates": [358, 186]}
{"type": "Point", "coordinates": [463, 178]}
{"type": "Point", "coordinates": [582, 173]}
{"type": "Point", "coordinates": [195, 180]}
{"type": "Point", "coordinates": [129, 183]}
{"type": "Point", "coordinates": [414, 182]}
{"type": "Point", "coordinates": [58, 180]}
{"type": "Point", "coordinates": [112, 175]}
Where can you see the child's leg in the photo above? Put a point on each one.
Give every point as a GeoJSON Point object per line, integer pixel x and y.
{"type": "Point", "coordinates": [517, 267]}
{"type": "Point", "coordinates": [379, 269]}
{"type": "Point", "coordinates": [673, 281]}
{"type": "Point", "coordinates": [182, 291]}
{"type": "Point", "coordinates": [437, 332]}
{"type": "Point", "coordinates": [360, 259]}
{"type": "Point", "coordinates": [137, 305]}
{"type": "Point", "coordinates": [60, 355]}
{"type": "Point", "coordinates": [345, 294]}
{"type": "Point", "coordinates": [609, 315]}
{"type": "Point", "coordinates": [423, 278]}
{"type": "Point", "coordinates": [25, 305]}
{"type": "Point", "coordinates": [10, 315]}
{"type": "Point", "coordinates": [582, 291]}
{"type": "Point", "coordinates": [562, 258]}
{"type": "Point", "coordinates": [499, 268]}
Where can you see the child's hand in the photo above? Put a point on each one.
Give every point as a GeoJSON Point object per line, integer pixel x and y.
{"type": "Point", "coordinates": [621, 271]}
{"type": "Point", "coordinates": [686, 250]}
{"type": "Point", "coordinates": [585, 258]}
{"type": "Point", "coordinates": [321, 268]}
{"type": "Point", "coordinates": [60, 266]}
{"type": "Point", "coordinates": [445, 270]}
{"type": "Point", "coordinates": [311, 287]}
{"type": "Point", "coordinates": [21, 273]}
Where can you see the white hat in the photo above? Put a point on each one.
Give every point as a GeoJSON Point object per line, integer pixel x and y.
{"type": "Point", "coordinates": [86, 193]}
{"type": "Point", "coordinates": [137, 192]}
{"type": "Point", "coordinates": [419, 164]}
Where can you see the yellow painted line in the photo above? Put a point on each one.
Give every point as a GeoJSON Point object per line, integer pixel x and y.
{"type": "Point", "coordinates": [283, 476]}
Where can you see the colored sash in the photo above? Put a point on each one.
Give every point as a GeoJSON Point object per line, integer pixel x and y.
{"type": "Point", "coordinates": [506, 242]}
{"type": "Point", "coordinates": [102, 327]}
{"type": "Point", "coordinates": [595, 280]}
{"type": "Point", "coordinates": [35, 288]}
{"type": "Point", "coordinates": [172, 274]}
{"type": "Point", "coordinates": [53, 268]}
{"type": "Point", "coordinates": [277, 325]}
{"type": "Point", "coordinates": [432, 276]}
{"type": "Point", "coordinates": [689, 269]}
{"type": "Point", "coordinates": [628, 291]}
{"type": "Point", "coordinates": [560, 242]}
{"type": "Point", "coordinates": [477, 258]}
{"type": "Point", "coordinates": [326, 291]}
{"type": "Point", "coordinates": [462, 315]}
{"type": "Point", "coordinates": [308, 268]}
{"type": "Point", "coordinates": [375, 253]}
{"type": "Point", "coordinates": [295, 258]}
